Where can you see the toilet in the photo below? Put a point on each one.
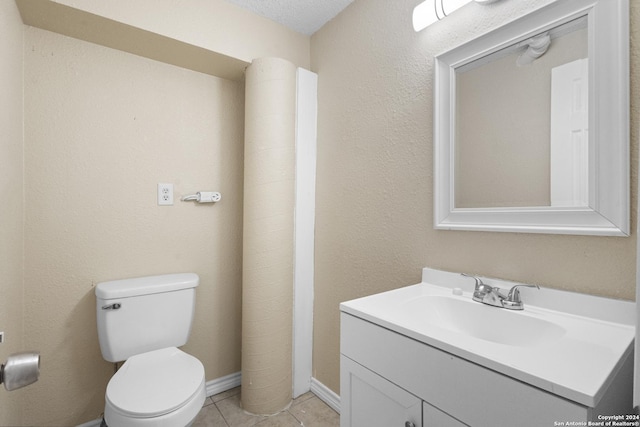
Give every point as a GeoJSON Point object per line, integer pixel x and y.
{"type": "Point", "coordinates": [142, 322]}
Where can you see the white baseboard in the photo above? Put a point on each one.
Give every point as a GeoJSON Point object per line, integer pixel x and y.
{"type": "Point", "coordinates": [325, 394]}
{"type": "Point", "coordinates": [223, 384]}
{"type": "Point", "coordinates": [212, 387]}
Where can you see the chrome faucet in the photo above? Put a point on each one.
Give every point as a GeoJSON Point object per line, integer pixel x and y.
{"type": "Point", "coordinates": [486, 294]}
{"type": "Point", "coordinates": [513, 301]}
{"type": "Point", "coordinates": [491, 295]}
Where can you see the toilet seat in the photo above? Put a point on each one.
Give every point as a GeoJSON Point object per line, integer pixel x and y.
{"type": "Point", "coordinates": [156, 383]}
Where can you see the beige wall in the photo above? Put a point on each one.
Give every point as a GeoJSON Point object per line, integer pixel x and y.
{"type": "Point", "coordinates": [374, 221]}
{"type": "Point", "coordinates": [210, 36]}
{"type": "Point", "coordinates": [12, 203]}
{"type": "Point", "coordinates": [102, 128]}
{"type": "Point", "coordinates": [215, 25]}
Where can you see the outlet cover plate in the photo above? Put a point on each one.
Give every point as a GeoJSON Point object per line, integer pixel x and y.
{"type": "Point", "coordinates": [165, 194]}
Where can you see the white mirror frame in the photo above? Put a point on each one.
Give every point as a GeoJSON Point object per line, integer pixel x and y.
{"type": "Point", "coordinates": [608, 211]}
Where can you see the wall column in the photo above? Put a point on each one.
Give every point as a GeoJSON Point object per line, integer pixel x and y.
{"type": "Point", "coordinates": [268, 233]}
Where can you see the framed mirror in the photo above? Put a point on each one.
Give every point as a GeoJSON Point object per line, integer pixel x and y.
{"type": "Point", "coordinates": [531, 124]}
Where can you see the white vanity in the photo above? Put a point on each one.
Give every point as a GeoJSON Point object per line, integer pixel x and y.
{"type": "Point", "coordinates": [428, 355]}
{"type": "Point", "coordinates": [449, 352]}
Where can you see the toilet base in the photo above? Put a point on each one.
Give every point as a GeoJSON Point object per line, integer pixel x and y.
{"type": "Point", "coordinates": [104, 423]}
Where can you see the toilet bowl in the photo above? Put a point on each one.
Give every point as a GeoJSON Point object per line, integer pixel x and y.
{"type": "Point", "coordinates": [160, 388]}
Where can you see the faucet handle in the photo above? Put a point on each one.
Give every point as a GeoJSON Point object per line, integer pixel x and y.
{"type": "Point", "coordinates": [513, 300]}
{"type": "Point", "coordinates": [480, 285]}
{"type": "Point", "coordinates": [476, 278]}
{"type": "Point", "coordinates": [481, 290]}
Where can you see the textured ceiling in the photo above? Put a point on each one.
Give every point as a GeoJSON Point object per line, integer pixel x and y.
{"type": "Point", "coordinates": [303, 16]}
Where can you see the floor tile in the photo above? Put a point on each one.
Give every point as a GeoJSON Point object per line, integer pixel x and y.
{"type": "Point", "coordinates": [302, 398]}
{"type": "Point", "coordinates": [283, 419]}
{"type": "Point", "coordinates": [225, 410]}
{"type": "Point", "coordinates": [210, 416]}
{"type": "Point", "coordinates": [234, 415]}
{"type": "Point", "coordinates": [315, 413]}
{"type": "Point", "coordinates": [225, 394]}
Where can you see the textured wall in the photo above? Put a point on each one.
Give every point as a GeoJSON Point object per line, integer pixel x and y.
{"type": "Point", "coordinates": [374, 221]}
{"type": "Point", "coordinates": [103, 127]}
{"type": "Point", "coordinates": [267, 269]}
{"type": "Point", "coordinates": [11, 195]}
{"type": "Point", "coordinates": [215, 25]}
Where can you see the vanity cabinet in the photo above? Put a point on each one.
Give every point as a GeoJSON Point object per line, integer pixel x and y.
{"type": "Point", "coordinates": [374, 401]}
{"type": "Point", "coordinates": [370, 400]}
{"type": "Point", "coordinates": [433, 417]}
{"type": "Point", "coordinates": [389, 380]}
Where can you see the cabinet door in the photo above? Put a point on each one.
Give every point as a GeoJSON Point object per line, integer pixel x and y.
{"type": "Point", "coordinates": [433, 417]}
{"type": "Point", "coordinates": [367, 399]}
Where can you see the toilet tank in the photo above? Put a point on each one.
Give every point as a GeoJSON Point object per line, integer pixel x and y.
{"type": "Point", "coordinates": [144, 314]}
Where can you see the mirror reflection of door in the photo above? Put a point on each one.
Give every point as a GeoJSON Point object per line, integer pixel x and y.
{"type": "Point", "coordinates": [570, 134]}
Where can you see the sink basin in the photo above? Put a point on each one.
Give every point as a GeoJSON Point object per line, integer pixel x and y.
{"type": "Point", "coordinates": [508, 327]}
{"type": "Point", "coordinates": [566, 343]}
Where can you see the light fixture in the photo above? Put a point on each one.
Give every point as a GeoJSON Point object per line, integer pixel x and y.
{"type": "Point", "coordinates": [430, 11]}
{"type": "Point", "coordinates": [536, 47]}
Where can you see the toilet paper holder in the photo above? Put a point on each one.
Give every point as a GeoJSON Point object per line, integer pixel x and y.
{"type": "Point", "coordinates": [20, 370]}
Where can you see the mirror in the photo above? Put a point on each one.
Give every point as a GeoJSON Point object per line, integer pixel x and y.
{"type": "Point", "coordinates": [505, 104]}
{"type": "Point", "coordinates": [531, 125]}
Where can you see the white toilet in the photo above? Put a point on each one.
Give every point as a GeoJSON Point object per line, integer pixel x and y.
{"type": "Point", "coordinates": [143, 321]}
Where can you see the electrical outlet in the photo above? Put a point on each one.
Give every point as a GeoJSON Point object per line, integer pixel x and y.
{"type": "Point", "coordinates": [165, 194]}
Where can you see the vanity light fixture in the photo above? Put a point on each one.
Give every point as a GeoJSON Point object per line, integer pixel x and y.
{"type": "Point", "coordinates": [430, 11]}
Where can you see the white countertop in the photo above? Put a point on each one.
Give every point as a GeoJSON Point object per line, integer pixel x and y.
{"type": "Point", "coordinates": [578, 363]}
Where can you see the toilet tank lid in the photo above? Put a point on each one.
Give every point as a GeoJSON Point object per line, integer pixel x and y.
{"type": "Point", "coordinates": [146, 285]}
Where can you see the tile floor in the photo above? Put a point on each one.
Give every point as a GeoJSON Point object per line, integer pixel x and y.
{"type": "Point", "coordinates": [223, 410]}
